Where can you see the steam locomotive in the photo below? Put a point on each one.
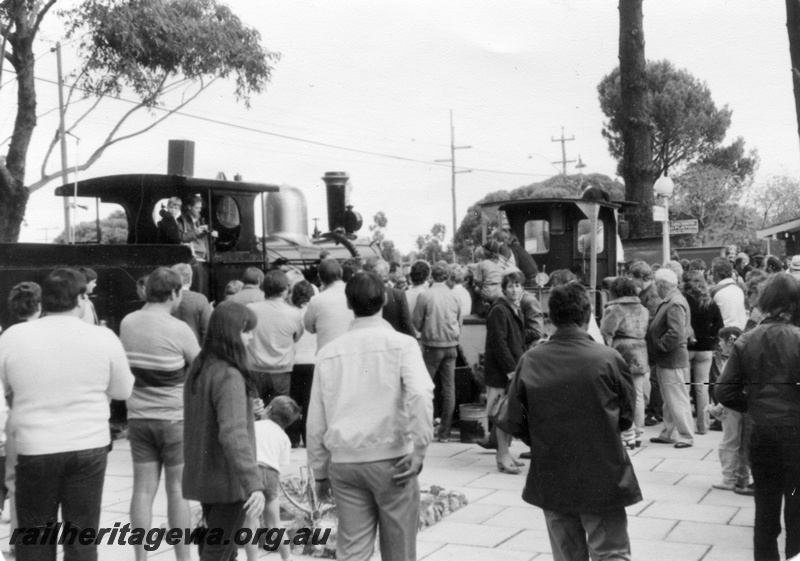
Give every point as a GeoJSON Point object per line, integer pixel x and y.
{"type": "Point", "coordinates": [229, 209]}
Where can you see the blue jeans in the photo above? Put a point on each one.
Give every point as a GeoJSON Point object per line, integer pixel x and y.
{"type": "Point", "coordinates": [775, 463]}
{"type": "Point", "coordinates": [71, 480]}
{"type": "Point", "coordinates": [442, 361]}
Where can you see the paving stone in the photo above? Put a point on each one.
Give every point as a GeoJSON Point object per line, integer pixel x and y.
{"type": "Point", "coordinates": [513, 517]}
{"type": "Point", "coordinates": [659, 477]}
{"type": "Point", "coordinates": [535, 541]}
{"type": "Point", "coordinates": [712, 534]}
{"type": "Point", "coordinates": [456, 462]}
{"type": "Point", "coordinates": [467, 553]}
{"type": "Point", "coordinates": [653, 550]}
{"type": "Point", "coordinates": [688, 466]}
{"type": "Point", "coordinates": [745, 517]}
{"type": "Point", "coordinates": [500, 482]}
{"type": "Point", "coordinates": [472, 493]}
{"type": "Point", "coordinates": [633, 510]}
{"type": "Point", "coordinates": [704, 481]}
{"type": "Point", "coordinates": [722, 553]}
{"type": "Point", "coordinates": [475, 513]}
{"type": "Point", "coordinates": [719, 497]}
{"type": "Point", "coordinates": [447, 450]}
{"type": "Point", "coordinates": [689, 512]}
{"type": "Point", "coordinates": [673, 493]}
{"type": "Point", "coordinates": [668, 451]}
{"type": "Point", "coordinates": [645, 463]}
{"type": "Point", "coordinates": [446, 477]}
{"type": "Point", "coordinates": [649, 528]}
{"type": "Point", "coordinates": [505, 498]}
{"type": "Point", "coordinates": [466, 534]}
{"type": "Point", "coordinates": [423, 549]}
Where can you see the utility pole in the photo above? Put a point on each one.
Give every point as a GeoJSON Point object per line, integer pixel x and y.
{"type": "Point", "coordinates": [564, 161]}
{"type": "Point", "coordinates": [63, 138]}
{"type": "Point", "coordinates": [46, 230]}
{"type": "Point", "coordinates": [453, 173]}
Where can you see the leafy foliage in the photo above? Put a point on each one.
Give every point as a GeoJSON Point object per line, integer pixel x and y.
{"type": "Point", "coordinates": [113, 230]}
{"type": "Point", "coordinates": [379, 222]}
{"type": "Point", "coordinates": [776, 201]}
{"type": "Point", "coordinates": [431, 246]}
{"type": "Point", "coordinates": [137, 43]}
{"type": "Point", "coordinates": [686, 125]}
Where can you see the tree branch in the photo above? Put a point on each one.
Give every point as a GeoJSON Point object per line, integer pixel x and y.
{"type": "Point", "coordinates": [110, 140]}
{"type": "Point", "coordinates": [49, 152]}
{"type": "Point", "coordinates": [40, 16]}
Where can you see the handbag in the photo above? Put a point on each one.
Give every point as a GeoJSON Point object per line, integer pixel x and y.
{"type": "Point", "coordinates": [511, 419]}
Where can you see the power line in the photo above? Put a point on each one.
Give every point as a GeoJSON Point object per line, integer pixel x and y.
{"type": "Point", "coordinates": [306, 140]}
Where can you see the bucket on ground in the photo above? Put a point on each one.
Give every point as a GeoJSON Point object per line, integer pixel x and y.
{"type": "Point", "coordinates": [473, 425]}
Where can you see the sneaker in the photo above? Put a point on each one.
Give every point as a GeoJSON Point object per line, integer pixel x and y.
{"type": "Point", "coordinates": [725, 486]}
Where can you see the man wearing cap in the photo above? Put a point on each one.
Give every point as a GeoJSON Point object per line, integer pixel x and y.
{"type": "Point", "coordinates": [669, 333]}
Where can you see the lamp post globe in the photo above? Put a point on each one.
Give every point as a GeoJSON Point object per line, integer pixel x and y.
{"type": "Point", "coordinates": [664, 187]}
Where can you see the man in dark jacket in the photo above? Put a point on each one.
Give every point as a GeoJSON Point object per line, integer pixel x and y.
{"type": "Point", "coordinates": [580, 475]}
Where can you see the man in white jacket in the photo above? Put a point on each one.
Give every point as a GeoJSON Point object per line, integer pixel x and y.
{"type": "Point", "coordinates": [369, 425]}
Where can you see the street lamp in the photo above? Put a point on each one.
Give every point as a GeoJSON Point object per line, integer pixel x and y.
{"type": "Point", "coordinates": [664, 187]}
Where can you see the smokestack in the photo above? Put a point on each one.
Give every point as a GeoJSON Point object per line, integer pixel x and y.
{"type": "Point", "coordinates": [180, 159]}
{"type": "Point", "coordinates": [336, 186]}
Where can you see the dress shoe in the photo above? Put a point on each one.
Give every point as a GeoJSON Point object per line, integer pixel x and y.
{"type": "Point", "coordinates": [715, 425]}
{"type": "Point", "coordinates": [487, 444]}
{"type": "Point", "coordinates": [747, 491]}
{"type": "Point", "coordinates": [651, 421]}
{"type": "Point", "coordinates": [659, 440]}
{"type": "Point", "coordinates": [525, 456]}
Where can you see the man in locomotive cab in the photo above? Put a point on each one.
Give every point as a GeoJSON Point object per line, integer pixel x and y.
{"type": "Point", "coordinates": [194, 229]}
{"type": "Point", "coordinates": [169, 230]}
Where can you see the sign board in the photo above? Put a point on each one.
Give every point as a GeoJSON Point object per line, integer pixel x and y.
{"type": "Point", "coordinates": [659, 214]}
{"type": "Point", "coordinates": [683, 226]}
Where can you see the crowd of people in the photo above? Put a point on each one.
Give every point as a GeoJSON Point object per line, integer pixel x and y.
{"type": "Point", "coordinates": [217, 395]}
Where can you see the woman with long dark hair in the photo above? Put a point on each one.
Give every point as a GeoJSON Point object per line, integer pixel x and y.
{"type": "Point", "coordinates": [706, 321]}
{"type": "Point", "coordinates": [219, 436]}
{"type": "Point", "coordinates": [761, 378]}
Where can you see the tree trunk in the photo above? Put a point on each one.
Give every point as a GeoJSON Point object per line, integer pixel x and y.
{"type": "Point", "coordinates": [13, 193]}
{"type": "Point", "coordinates": [637, 167]}
{"type": "Point", "coordinates": [793, 28]}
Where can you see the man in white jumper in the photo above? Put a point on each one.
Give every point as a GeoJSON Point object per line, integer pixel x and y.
{"type": "Point", "coordinates": [62, 372]}
{"type": "Point", "coordinates": [369, 425]}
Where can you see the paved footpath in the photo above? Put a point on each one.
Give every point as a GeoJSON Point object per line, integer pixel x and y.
{"type": "Point", "coordinates": [680, 519]}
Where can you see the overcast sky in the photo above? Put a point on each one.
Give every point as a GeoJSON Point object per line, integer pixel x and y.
{"type": "Point", "coordinates": [381, 77]}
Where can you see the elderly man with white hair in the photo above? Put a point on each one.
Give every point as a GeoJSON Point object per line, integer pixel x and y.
{"type": "Point", "coordinates": [669, 332]}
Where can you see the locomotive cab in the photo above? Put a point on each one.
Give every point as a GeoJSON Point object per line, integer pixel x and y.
{"type": "Point", "coordinates": [228, 208]}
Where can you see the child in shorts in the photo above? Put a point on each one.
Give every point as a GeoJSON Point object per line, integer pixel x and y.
{"type": "Point", "coordinates": [733, 448]}
{"type": "Point", "coordinates": [273, 448]}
